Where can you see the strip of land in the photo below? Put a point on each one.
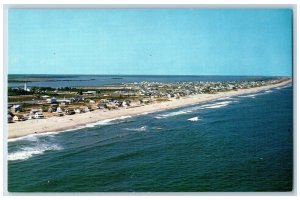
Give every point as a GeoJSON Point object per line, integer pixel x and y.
{"type": "Point", "coordinates": [53, 124]}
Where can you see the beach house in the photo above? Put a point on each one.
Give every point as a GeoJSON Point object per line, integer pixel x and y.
{"type": "Point", "coordinates": [59, 109]}
{"type": "Point", "coordinates": [18, 118]}
{"type": "Point", "coordinates": [112, 105]}
{"type": "Point", "coordinates": [126, 103]}
{"type": "Point", "coordinates": [85, 109]}
{"type": "Point", "coordinates": [70, 111]}
{"type": "Point", "coordinates": [77, 98]}
{"type": "Point", "coordinates": [39, 115]}
{"type": "Point", "coordinates": [78, 111]}
{"type": "Point", "coordinates": [59, 114]}
{"type": "Point", "coordinates": [16, 108]}
{"type": "Point", "coordinates": [53, 108]}
{"type": "Point", "coordinates": [144, 101]}
{"type": "Point", "coordinates": [101, 105]}
{"type": "Point", "coordinates": [51, 100]}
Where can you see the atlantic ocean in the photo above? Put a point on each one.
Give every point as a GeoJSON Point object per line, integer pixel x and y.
{"type": "Point", "coordinates": [241, 143]}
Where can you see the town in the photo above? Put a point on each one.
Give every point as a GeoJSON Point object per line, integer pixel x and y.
{"type": "Point", "coordinates": [25, 103]}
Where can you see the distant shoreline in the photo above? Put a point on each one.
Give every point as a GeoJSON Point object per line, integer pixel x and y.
{"type": "Point", "coordinates": [56, 124]}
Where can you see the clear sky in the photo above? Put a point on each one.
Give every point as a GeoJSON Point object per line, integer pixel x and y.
{"type": "Point", "coordinates": [141, 41]}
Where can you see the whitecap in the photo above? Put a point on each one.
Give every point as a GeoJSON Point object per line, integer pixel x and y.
{"type": "Point", "coordinates": [215, 105]}
{"type": "Point", "coordinates": [193, 119]}
{"type": "Point", "coordinates": [171, 114]}
{"type": "Point", "coordinates": [143, 128]}
{"type": "Point", "coordinates": [250, 95]}
{"type": "Point", "coordinates": [195, 108]}
{"type": "Point", "coordinates": [268, 91]}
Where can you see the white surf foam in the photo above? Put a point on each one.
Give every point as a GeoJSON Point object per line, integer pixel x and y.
{"type": "Point", "coordinates": [28, 152]}
{"type": "Point", "coordinates": [224, 98]}
{"type": "Point", "coordinates": [286, 86]}
{"type": "Point", "coordinates": [145, 113]}
{"type": "Point", "coordinates": [122, 117]}
{"type": "Point", "coordinates": [34, 136]}
{"type": "Point", "coordinates": [268, 91]}
{"type": "Point", "coordinates": [250, 95]}
{"type": "Point", "coordinates": [98, 123]}
{"type": "Point", "coordinates": [195, 108]}
{"type": "Point", "coordinates": [106, 121]}
{"type": "Point", "coordinates": [171, 114]}
{"type": "Point", "coordinates": [193, 119]}
{"type": "Point", "coordinates": [102, 122]}
{"type": "Point", "coordinates": [143, 128]}
{"type": "Point", "coordinates": [215, 105]}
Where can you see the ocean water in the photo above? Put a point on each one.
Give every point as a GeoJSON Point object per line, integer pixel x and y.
{"type": "Point", "coordinates": [56, 81]}
{"type": "Point", "coordinates": [241, 143]}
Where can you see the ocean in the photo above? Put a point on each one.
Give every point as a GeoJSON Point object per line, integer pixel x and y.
{"type": "Point", "coordinates": [237, 144]}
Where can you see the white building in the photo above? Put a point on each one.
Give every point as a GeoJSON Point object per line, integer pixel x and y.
{"type": "Point", "coordinates": [77, 110]}
{"type": "Point", "coordinates": [59, 110]}
{"type": "Point", "coordinates": [52, 100]}
{"type": "Point", "coordinates": [86, 109]}
{"type": "Point", "coordinates": [38, 115]}
{"type": "Point", "coordinates": [45, 96]}
{"type": "Point", "coordinates": [89, 93]}
{"type": "Point", "coordinates": [18, 118]}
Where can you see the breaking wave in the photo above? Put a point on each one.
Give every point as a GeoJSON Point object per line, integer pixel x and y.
{"type": "Point", "coordinates": [171, 114]}
{"type": "Point", "coordinates": [218, 105]}
{"type": "Point", "coordinates": [281, 87]}
{"type": "Point", "coordinates": [100, 123]}
{"type": "Point", "coordinates": [106, 122]}
{"type": "Point", "coordinates": [189, 110]}
{"type": "Point", "coordinates": [145, 113]}
{"type": "Point", "coordinates": [143, 128]}
{"type": "Point", "coordinates": [225, 98]}
{"type": "Point", "coordinates": [91, 125]}
{"type": "Point", "coordinates": [28, 152]}
{"type": "Point", "coordinates": [250, 95]}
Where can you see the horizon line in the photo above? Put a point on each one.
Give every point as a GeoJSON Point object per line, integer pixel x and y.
{"type": "Point", "coordinates": [147, 74]}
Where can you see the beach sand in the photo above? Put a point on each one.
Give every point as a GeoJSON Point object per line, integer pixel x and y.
{"type": "Point", "coordinates": [53, 124]}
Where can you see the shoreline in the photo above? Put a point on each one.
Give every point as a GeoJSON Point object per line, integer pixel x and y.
{"type": "Point", "coordinates": [67, 122]}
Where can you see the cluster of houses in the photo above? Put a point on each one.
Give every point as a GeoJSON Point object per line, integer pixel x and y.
{"type": "Point", "coordinates": [64, 101]}
{"type": "Point", "coordinates": [180, 89]}
{"type": "Point", "coordinates": [14, 115]}
{"type": "Point", "coordinates": [61, 108]}
{"type": "Point", "coordinates": [146, 92]}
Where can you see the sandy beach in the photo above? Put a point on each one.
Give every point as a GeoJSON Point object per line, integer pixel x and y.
{"type": "Point", "coordinates": [53, 124]}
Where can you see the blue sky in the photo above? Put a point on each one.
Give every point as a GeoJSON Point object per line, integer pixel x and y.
{"type": "Point", "coordinates": [158, 41]}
